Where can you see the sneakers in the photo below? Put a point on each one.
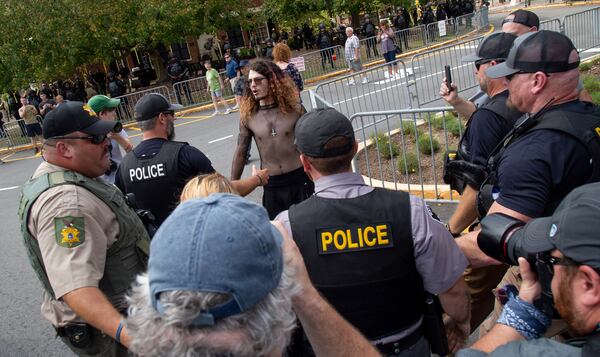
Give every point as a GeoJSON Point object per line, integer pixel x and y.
{"type": "Point", "coordinates": [236, 107]}
{"type": "Point", "coordinates": [365, 80]}
{"type": "Point", "coordinates": [351, 82]}
{"type": "Point", "coordinates": [227, 111]}
{"type": "Point", "coordinates": [216, 112]}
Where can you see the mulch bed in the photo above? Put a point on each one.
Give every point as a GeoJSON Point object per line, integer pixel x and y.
{"type": "Point", "coordinates": [386, 171]}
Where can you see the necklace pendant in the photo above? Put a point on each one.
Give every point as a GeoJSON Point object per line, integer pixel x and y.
{"type": "Point", "coordinates": [273, 133]}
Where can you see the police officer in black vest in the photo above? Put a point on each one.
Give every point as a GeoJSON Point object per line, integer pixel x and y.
{"type": "Point", "coordinates": [371, 252]}
{"type": "Point", "coordinates": [552, 149]}
{"type": "Point", "coordinates": [465, 169]}
{"type": "Point", "coordinates": [158, 168]}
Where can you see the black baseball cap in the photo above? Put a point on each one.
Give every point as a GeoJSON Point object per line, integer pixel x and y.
{"type": "Point", "coordinates": [315, 128]}
{"type": "Point", "coordinates": [523, 17]}
{"type": "Point", "coordinates": [545, 51]}
{"type": "Point", "coordinates": [151, 105]}
{"type": "Point", "coordinates": [572, 229]}
{"type": "Point", "coordinates": [493, 47]}
{"type": "Point", "coordinates": [76, 116]}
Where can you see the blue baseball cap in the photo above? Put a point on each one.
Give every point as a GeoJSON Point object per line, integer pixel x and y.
{"type": "Point", "coordinates": [221, 244]}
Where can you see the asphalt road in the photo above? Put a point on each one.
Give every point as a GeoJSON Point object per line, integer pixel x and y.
{"type": "Point", "coordinates": [23, 332]}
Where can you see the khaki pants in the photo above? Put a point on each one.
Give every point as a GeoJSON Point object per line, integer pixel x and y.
{"type": "Point", "coordinates": [481, 282]}
{"type": "Point", "coordinates": [512, 277]}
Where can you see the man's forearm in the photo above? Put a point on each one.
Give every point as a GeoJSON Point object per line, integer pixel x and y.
{"type": "Point", "coordinates": [466, 211]}
{"type": "Point", "coordinates": [329, 334]}
{"type": "Point", "coordinates": [237, 166]}
{"type": "Point", "coordinates": [463, 107]}
{"type": "Point", "coordinates": [247, 185]}
{"type": "Point", "coordinates": [456, 301]}
{"type": "Point", "coordinates": [499, 335]}
{"type": "Point", "coordinates": [91, 305]}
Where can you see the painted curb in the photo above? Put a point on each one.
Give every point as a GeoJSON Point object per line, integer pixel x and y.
{"type": "Point", "coordinates": [508, 8]}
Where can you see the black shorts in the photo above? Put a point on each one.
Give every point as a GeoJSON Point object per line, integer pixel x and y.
{"type": "Point", "coordinates": [34, 129]}
{"type": "Point", "coordinates": [284, 190]}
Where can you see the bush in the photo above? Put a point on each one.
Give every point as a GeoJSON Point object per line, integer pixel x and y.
{"type": "Point", "coordinates": [591, 84]}
{"type": "Point", "coordinates": [585, 66]}
{"type": "Point", "coordinates": [454, 127]}
{"type": "Point", "coordinates": [426, 144]}
{"type": "Point", "coordinates": [408, 163]}
{"type": "Point", "coordinates": [409, 129]}
{"type": "Point", "coordinates": [596, 98]}
{"type": "Point", "coordinates": [383, 145]}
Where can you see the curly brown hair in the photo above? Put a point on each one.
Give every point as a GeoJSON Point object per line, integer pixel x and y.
{"type": "Point", "coordinates": [282, 89]}
{"type": "Point", "coordinates": [281, 53]}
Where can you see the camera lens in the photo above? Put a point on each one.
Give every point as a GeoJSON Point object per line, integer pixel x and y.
{"type": "Point", "coordinates": [497, 238]}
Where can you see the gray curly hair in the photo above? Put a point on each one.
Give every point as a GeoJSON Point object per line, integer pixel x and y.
{"type": "Point", "coordinates": [261, 331]}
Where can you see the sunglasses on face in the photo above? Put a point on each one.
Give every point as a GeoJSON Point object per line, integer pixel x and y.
{"type": "Point", "coordinates": [94, 139]}
{"type": "Point", "coordinates": [478, 63]}
{"type": "Point", "coordinates": [257, 80]}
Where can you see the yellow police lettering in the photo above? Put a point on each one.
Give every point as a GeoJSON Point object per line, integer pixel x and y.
{"type": "Point", "coordinates": [351, 244]}
{"type": "Point", "coordinates": [369, 241]}
{"type": "Point", "coordinates": [355, 238]}
{"type": "Point", "coordinates": [326, 239]}
{"type": "Point", "coordinates": [338, 245]}
{"type": "Point", "coordinates": [381, 234]}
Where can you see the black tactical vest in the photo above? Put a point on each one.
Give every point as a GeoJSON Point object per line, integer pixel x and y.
{"type": "Point", "coordinates": [156, 181]}
{"type": "Point", "coordinates": [359, 254]}
{"type": "Point", "coordinates": [124, 259]}
{"type": "Point", "coordinates": [582, 124]}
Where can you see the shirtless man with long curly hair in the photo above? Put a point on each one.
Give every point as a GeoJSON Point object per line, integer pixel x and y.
{"type": "Point", "coordinates": [269, 111]}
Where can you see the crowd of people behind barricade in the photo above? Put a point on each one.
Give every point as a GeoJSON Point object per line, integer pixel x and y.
{"type": "Point", "coordinates": [324, 36]}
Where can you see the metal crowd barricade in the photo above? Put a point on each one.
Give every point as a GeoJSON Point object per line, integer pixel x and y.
{"type": "Point", "coordinates": [370, 51]}
{"type": "Point", "coordinates": [317, 102]}
{"type": "Point", "coordinates": [327, 60]}
{"type": "Point", "coordinates": [433, 31]}
{"type": "Point", "coordinates": [15, 134]}
{"type": "Point", "coordinates": [583, 28]}
{"type": "Point", "coordinates": [428, 70]}
{"type": "Point", "coordinates": [552, 25]}
{"type": "Point", "coordinates": [411, 38]}
{"type": "Point", "coordinates": [125, 111]}
{"type": "Point", "coordinates": [405, 149]}
{"type": "Point", "coordinates": [195, 91]}
{"type": "Point", "coordinates": [382, 92]}
{"type": "Point", "coordinates": [464, 24]}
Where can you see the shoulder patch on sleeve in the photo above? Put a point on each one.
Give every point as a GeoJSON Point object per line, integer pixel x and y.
{"type": "Point", "coordinates": [69, 231]}
{"type": "Point", "coordinates": [433, 214]}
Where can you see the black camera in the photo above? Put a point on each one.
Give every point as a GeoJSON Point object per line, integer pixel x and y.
{"type": "Point", "coordinates": [502, 238]}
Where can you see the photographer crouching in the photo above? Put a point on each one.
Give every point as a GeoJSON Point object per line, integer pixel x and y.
{"type": "Point", "coordinates": [559, 262]}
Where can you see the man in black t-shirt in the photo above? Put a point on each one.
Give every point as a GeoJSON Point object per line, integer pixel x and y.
{"type": "Point", "coordinates": [158, 168]}
{"type": "Point", "coordinates": [553, 150]}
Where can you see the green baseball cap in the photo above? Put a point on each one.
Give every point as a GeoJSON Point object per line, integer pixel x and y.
{"type": "Point", "coordinates": [100, 102]}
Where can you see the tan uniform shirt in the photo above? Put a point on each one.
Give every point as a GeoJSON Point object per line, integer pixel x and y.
{"type": "Point", "coordinates": [28, 114]}
{"type": "Point", "coordinates": [82, 264]}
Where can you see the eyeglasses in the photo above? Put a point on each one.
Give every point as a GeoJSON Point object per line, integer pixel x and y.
{"type": "Point", "coordinates": [257, 80]}
{"type": "Point", "coordinates": [94, 139]}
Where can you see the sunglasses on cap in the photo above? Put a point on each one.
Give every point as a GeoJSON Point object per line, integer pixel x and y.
{"type": "Point", "coordinates": [94, 139]}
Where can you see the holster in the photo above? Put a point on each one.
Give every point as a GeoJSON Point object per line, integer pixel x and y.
{"type": "Point", "coordinates": [80, 335]}
{"type": "Point", "coordinates": [433, 325]}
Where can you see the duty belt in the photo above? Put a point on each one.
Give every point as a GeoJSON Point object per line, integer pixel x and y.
{"type": "Point", "coordinates": [391, 345]}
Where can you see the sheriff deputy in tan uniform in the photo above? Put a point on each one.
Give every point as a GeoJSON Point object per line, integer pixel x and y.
{"type": "Point", "coordinates": [84, 242]}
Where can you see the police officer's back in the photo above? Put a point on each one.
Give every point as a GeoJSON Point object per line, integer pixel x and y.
{"type": "Point", "coordinates": [371, 252]}
{"type": "Point", "coordinates": [82, 239]}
